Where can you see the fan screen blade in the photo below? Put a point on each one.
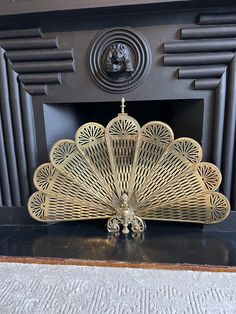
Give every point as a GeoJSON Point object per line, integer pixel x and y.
{"type": "Point", "coordinates": [44, 207]}
{"type": "Point", "coordinates": [50, 181]}
{"type": "Point", "coordinates": [179, 156]}
{"type": "Point", "coordinates": [154, 137]}
{"type": "Point", "coordinates": [90, 139]}
{"type": "Point", "coordinates": [206, 208]}
{"type": "Point", "coordinates": [68, 160]}
{"type": "Point", "coordinates": [121, 136]}
{"type": "Point", "coordinates": [198, 179]}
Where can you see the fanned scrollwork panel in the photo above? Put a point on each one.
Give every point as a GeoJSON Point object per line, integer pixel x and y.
{"type": "Point", "coordinates": [179, 156]}
{"type": "Point", "coordinates": [90, 139]}
{"type": "Point", "coordinates": [44, 207]}
{"type": "Point", "coordinates": [67, 159]}
{"type": "Point", "coordinates": [50, 181]}
{"type": "Point", "coordinates": [205, 208]}
{"type": "Point", "coordinates": [154, 137]}
{"type": "Point", "coordinates": [121, 136]}
{"type": "Point", "coordinates": [196, 180]}
{"type": "Point", "coordinates": [128, 175]}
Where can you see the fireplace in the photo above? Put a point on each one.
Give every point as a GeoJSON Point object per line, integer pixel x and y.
{"type": "Point", "coordinates": [48, 93]}
{"type": "Point", "coordinates": [178, 114]}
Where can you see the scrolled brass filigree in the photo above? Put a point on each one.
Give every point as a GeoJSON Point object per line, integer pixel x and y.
{"type": "Point", "coordinates": [127, 174]}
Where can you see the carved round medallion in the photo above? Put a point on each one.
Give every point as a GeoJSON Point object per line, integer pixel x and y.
{"type": "Point", "coordinates": [119, 59]}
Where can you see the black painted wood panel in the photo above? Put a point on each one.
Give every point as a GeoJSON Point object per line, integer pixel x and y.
{"type": "Point", "coordinates": [212, 44]}
{"type": "Point", "coordinates": [18, 146]}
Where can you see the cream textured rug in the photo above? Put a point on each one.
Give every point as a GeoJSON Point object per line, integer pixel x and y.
{"type": "Point", "coordinates": [32, 288]}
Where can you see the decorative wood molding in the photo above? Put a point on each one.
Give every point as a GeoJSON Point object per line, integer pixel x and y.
{"type": "Point", "coordinates": [33, 56]}
{"type": "Point", "coordinates": [24, 72]}
{"type": "Point", "coordinates": [18, 155]}
{"type": "Point", "coordinates": [205, 50]}
{"type": "Point", "coordinates": [203, 54]}
{"type": "Point", "coordinates": [135, 49]}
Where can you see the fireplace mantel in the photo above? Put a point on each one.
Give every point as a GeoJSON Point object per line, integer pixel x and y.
{"type": "Point", "coordinates": [19, 7]}
{"type": "Point", "coordinates": [53, 79]}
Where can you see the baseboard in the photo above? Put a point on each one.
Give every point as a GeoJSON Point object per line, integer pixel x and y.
{"type": "Point", "coordinates": [117, 264]}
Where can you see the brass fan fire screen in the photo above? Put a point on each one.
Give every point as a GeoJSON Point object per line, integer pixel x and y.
{"type": "Point", "coordinates": [127, 174]}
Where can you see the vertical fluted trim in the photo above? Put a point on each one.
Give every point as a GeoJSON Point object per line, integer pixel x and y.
{"type": "Point", "coordinates": [8, 133]}
{"type": "Point", "coordinates": [18, 134]}
{"type": "Point", "coordinates": [229, 130]}
{"type": "Point", "coordinates": [4, 176]}
{"type": "Point", "coordinates": [218, 121]}
{"type": "Point", "coordinates": [1, 202]}
{"type": "Point", "coordinates": [233, 198]}
{"type": "Point", "coordinates": [29, 134]}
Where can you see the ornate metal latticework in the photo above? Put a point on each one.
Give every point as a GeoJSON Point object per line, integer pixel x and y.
{"type": "Point", "coordinates": [127, 174]}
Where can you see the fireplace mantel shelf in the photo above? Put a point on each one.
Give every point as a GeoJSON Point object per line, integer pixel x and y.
{"type": "Point", "coordinates": [18, 7]}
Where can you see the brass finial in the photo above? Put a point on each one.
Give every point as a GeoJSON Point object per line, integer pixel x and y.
{"type": "Point", "coordinates": [123, 105]}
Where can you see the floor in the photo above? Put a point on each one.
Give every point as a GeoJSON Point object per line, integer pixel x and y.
{"type": "Point", "coordinates": [161, 243]}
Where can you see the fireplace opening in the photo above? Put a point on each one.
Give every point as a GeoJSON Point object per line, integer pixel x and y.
{"type": "Point", "coordinates": [185, 117]}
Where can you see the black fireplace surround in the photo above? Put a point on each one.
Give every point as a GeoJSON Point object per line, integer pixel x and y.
{"type": "Point", "coordinates": [50, 82]}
